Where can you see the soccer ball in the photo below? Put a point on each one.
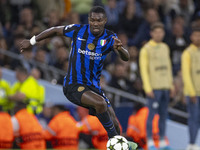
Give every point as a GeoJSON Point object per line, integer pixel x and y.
{"type": "Point", "coordinates": [117, 143]}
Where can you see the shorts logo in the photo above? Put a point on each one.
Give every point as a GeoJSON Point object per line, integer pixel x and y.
{"type": "Point", "coordinates": [81, 88]}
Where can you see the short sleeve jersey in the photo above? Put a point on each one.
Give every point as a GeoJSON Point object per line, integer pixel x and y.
{"type": "Point", "coordinates": [87, 54]}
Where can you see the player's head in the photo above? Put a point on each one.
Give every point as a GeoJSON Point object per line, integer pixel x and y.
{"type": "Point", "coordinates": [195, 36]}
{"type": "Point", "coordinates": [157, 32]}
{"type": "Point", "coordinates": [58, 108]}
{"type": "Point", "coordinates": [19, 106]}
{"type": "Point", "coordinates": [97, 20]}
{"type": "Point", "coordinates": [21, 73]}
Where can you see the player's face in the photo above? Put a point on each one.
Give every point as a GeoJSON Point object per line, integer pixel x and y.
{"type": "Point", "coordinates": [195, 38]}
{"type": "Point", "coordinates": [158, 34]}
{"type": "Point", "coordinates": [97, 22]}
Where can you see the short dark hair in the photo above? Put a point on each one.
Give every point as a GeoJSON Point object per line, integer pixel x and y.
{"type": "Point", "coordinates": [22, 70]}
{"type": "Point", "coordinates": [61, 107]}
{"type": "Point", "coordinates": [157, 25]}
{"type": "Point", "coordinates": [97, 9]}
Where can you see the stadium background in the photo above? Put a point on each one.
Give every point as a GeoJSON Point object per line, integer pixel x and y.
{"type": "Point", "coordinates": [130, 19]}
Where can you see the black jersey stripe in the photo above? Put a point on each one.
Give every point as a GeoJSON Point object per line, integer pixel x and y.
{"type": "Point", "coordinates": [73, 62]}
{"type": "Point", "coordinates": [69, 65]}
{"type": "Point", "coordinates": [83, 47]}
{"type": "Point", "coordinates": [95, 41]}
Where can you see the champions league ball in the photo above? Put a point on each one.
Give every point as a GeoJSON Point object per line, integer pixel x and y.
{"type": "Point", "coordinates": [117, 143]}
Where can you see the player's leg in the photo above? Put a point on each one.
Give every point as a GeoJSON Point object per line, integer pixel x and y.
{"type": "Point", "coordinates": [132, 145]}
{"type": "Point", "coordinates": [94, 100]}
{"type": "Point", "coordinates": [153, 107]}
{"type": "Point", "coordinates": [162, 111]}
{"type": "Point", "coordinates": [193, 119]}
{"type": "Point", "coordinates": [114, 119]}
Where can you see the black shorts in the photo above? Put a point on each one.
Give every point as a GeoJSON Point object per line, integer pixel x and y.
{"type": "Point", "coordinates": [74, 92]}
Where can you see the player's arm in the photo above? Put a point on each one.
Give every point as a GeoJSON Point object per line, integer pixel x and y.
{"type": "Point", "coordinates": [120, 50]}
{"type": "Point", "coordinates": [53, 31]}
{"type": "Point", "coordinates": [186, 73]}
{"type": "Point", "coordinates": [143, 62]}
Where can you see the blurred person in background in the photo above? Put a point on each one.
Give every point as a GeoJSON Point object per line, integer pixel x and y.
{"type": "Point", "coordinates": [6, 130]}
{"type": "Point", "coordinates": [26, 18]}
{"type": "Point", "coordinates": [5, 91]}
{"type": "Point", "coordinates": [133, 63]}
{"type": "Point", "coordinates": [53, 18]}
{"type": "Point", "coordinates": [16, 6]}
{"type": "Point", "coordinates": [61, 55]}
{"type": "Point", "coordinates": [27, 89]}
{"type": "Point", "coordinates": [27, 130]}
{"type": "Point", "coordinates": [41, 61]}
{"type": "Point", "coordinates": [129, 21]}
{"type": "Point", "coordinates": [159, 5]}
{"type": "Point", "coordinates": [119, 78]}
{"type": "Point", "coordinates": [74, 18]}
{"type": "Point", "coordinates": [143, 32]}
{"type": "Point", "coordinates": [182, 7]}
{"type": "Point", "coordinates": [92, 126]}
{"type": "Point", "coordinates": [177, 43]}
{"type": "Point", "coordinates": [4, 60]}
{"type": "Point", "coordinates": [18, 37]}
{"type": "Point", "coordinates": [63, 130]}
{"type": "Point", "coordinates": [46, 115]}
{"type": "Point", "coordinates": [5, 15]}
{"type": "Point", "coordinates": [138, 8]}
{"type": "Point", "coordinates": [191, 80]}
{"type": "Point", "coordinates": [25, 60]}
{"type": "Point", "coordinates": [156, 73]}
{"type": "Point", "coordinates": [62, 8]}
{"type": "Point", "coordinates": [82, 8]}
{"type": "Point", "coordinates": [65, 65]}
{"type": "Point", "coordinates": [112, 13]}
{"type": "Point", "coordinates": [55, 43]}
{"type": "Point", "coordinates": [179, 100]}
{"type": "Point", "coordinates": [137, 126]}
{"type": "Point", "coordinates": [35, 72]}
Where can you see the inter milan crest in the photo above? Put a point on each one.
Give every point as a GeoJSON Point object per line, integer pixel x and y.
{"type": "Point", "coordinates": [81, 88]}
{"type": "Point", "coordinates": [91, 46]}
{"type": "Point", "coordinates": [103, 42]}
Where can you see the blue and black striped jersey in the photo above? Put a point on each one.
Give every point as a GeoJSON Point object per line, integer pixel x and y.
{"type": "Point", "coordinates": [87, 54]}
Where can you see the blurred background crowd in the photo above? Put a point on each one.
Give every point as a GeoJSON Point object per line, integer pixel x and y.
{"type": "Point", "coordinates": [130, 19]}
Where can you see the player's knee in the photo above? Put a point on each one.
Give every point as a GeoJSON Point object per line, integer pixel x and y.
{"type": "Point", "coordinates": [101, 106]}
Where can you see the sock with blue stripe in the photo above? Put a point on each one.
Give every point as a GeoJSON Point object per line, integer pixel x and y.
{"type": "Point", "coordinates": [107, 123]}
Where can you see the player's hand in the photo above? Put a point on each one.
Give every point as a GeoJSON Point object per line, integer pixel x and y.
{"type": "Point", "coordinates": [117, 43]}
{"type": "Point", "coordinates": [193, 99]}
{"type": "Point", "coordinates": [150, 94]}
{"type": "Point", "coordinates": [25, 44]}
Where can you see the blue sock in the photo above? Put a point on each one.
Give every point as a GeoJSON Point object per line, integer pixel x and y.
{"type": "Point", "coordinates": [107, 123]}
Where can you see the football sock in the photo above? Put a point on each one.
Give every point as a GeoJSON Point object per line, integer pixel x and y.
{"type": "Point", "coordinates": [107, 123]}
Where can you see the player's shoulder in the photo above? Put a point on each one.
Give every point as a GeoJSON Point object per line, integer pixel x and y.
{"type": "Point", "coordinates": [110, 33]}
{"type": "Point", "coordinates": [187, 50]}
{"type": "Point", "coordinates": [72, 26]}
{"type": "Point", "coordinates": [145, 47]}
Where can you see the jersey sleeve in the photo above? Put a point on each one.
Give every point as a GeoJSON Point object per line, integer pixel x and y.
{"type": "Point", "coordinates": [68, 30]}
